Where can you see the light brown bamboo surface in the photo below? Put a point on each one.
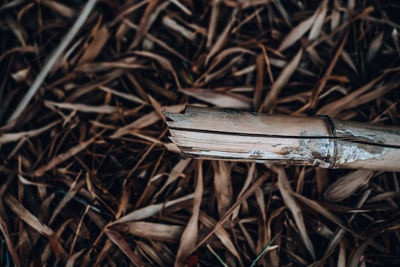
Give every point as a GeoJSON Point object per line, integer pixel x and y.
{"type": "Point", "coordinates": [210, 133]}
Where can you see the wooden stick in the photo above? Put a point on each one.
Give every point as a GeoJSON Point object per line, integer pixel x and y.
{"type": "Point", "coordinates": [280, 139]}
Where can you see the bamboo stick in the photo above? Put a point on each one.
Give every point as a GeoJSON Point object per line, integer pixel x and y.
{"type": "Point", "coordinates": [280, 139]}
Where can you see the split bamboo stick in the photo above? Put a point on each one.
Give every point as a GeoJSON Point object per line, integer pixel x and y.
{"type": "Point", "coordinates": [280, 139]}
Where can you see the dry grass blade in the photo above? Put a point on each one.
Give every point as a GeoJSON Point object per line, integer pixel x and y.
{"type": "Point", "coordinates": [318, 208]}
{"type": "Point", "coordinates": [10, 247]}
{"type": "Point", "coordinates": [151, 210]}
{"type": "Point", "coordinates": [219, 99]}
{"type": "Point", "coordinates": [290, 202]}
{"type": "Point", "coordinates": [220, 232]}
{"type": "Point", "coordinates": [118, 240]}
{"type": "Point", "coordinates": [149, 16]}
{"type": "Point", "coordinates": [164, 62]}
{"type": "Point", "coordinates": [339, 234]}
{"type": "Point", "coordinates": [53, 59]}
{"type": "Point", "coordinates": [145, 121]}
{"type": "Point", "coordinates": [82, 107]}
{"type": "Point", "coordinates": [345, 186]}
{"type": "Point", "coordinates": [319, 21]}
{"type": "Point", "coordinates": [71, 260]}
{"type": "Point", "coordinates": [156, 231]}
{"type": "Point", "coordinates": [27, 217]}
{"type": "Point", "coordinates": [74, 188]}
{"type": "Point", "coordinates": [334, 108]}
{"type": "Point", "coordinates": [357, 256]}
{"type": "Point", "coordinates": [238, 202]}
{"type": "Point", "coordinates": [93, 50]}
{"type": "Point", "coordinates": [14, 137]}
{"type": "Point", "coordinates": [283, 78]}
{"type": "Point", "coordinates": [63, 157]}
{"type": "Point", "coordinates": [222, 38]}
{"type": "Point", "coordinates": [222, 186]}
{"type": "Point", "coordinates": [60, 8]}
{"type": "Point", "coordinates": [189, 236]}
{"type": "Point", "coordinates": [374, 47]}
{"type": "Point", "coordinates": [297, 32]}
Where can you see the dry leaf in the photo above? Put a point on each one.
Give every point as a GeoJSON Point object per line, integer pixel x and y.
{"type": "Point", "coordinates": [290, 202]}
{"type": "Point", "coordinates": [222, 186]}
{"type": "Point", "coordinates": [156, 231]}
{"type": "Point", "coordinates": [346, 185]}
{"type": "Point", "coordinates": [283, 78]}
{"type": "Point", "coordinates": [219, 99]}
{"type": "Point", "coordinates": [189, 236]}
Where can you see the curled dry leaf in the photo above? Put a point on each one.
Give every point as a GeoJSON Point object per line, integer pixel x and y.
{"type": "Point", "coordinates": [93, 50]}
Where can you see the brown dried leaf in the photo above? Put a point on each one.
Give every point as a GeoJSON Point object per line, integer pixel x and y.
{"type": "Point", "coordinates": [318, 208]}
{"type": "Point", "coordinates": [286, 192]}
{"type": "Point", "coordinates": [26, 216]}
{"type": "Point", "coordinates": [297, 32]}
{"type": "Point", "coordinates": [319, 21]}
{"type": "Point", "coordinates": [374, 47]}
{"type": "Point", "coordinates": [226, 100]}
{"type": "Point", "coordinates": [93, 50]}
{"type": "Point", "coordinates": [164, 62]}
{"type": "Point", "coordinates": [81, 107]}
{"type": "Point", "coordinates": [189, 236]}
{"type": "Point", "coordinates": [120, 242]}
{"type": "Point", "coordinates": [151, 210]}
{"type": "Point", "coordinates": [60, 8]}
{"type": "Point", "coordinates": [13, 137]}
{"type": "Point", "coordinates": [334, 108]}
{"type": "Point", "coordinates": [283, 78]}
{"type": "Point", "coordinates": [74, 188]}
{"type": "Point", "coordinates": [10, 247]}
{"type": "Point", "coordinates": [346, 185]}
{"type": "Point", "coordinates": [222, 37]}
{"type": "Point", "coordinates": [63, 157]}
{"type": "Point", "coordinates": [145, 121]}
{"type": "Point", "coordinates": [222, 186]}
{"type": "Point", "coordinates": [220, 232]}
{"type": "Point", "coordinates": [156, 231]}
{"type": "Point", "coordinates": [71, 260]}
{"type": "Point", "coordinates": [149, 16]}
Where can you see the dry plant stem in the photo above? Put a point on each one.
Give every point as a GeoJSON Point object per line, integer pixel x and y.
{"type": "Point", "coordinates": [281, 139]}
{"type": "Point", "coordinates": [53, 59]}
